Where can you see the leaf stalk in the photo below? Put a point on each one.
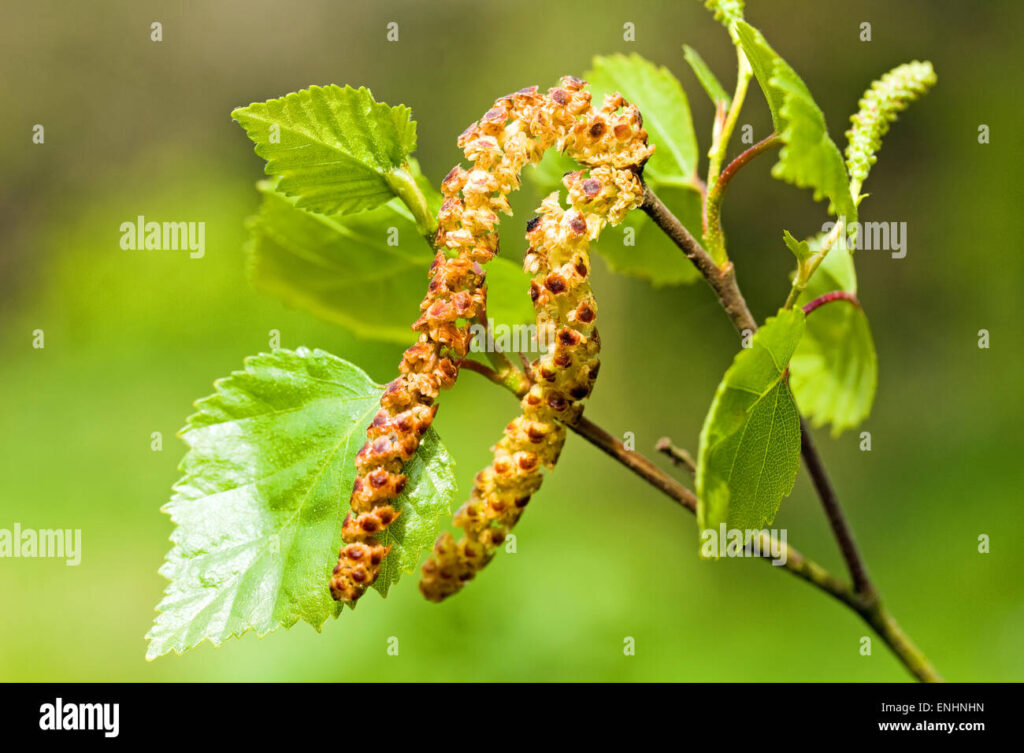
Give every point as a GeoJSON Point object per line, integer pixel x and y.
{"type": "Point", "coordinates": [405, 187]}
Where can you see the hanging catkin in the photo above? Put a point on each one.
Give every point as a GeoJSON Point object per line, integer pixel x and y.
{"type": "Point", "coordinates": [612, 146]}
{"type": "Point", "coordinates": [515, 132]}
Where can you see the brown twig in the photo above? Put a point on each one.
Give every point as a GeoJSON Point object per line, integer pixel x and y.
{"type": "Point", "coordinates": [836, 518]}
{"type": "Point", "coordinates": [791, 560]}
{"type": "Point", "coordinates": [636, 462]}
{"type": "Point", "coordinates": [865, 601]}
{"type": "Point", "coordinates": [721, 279]}
{"type": "Point", "coordinates": [677, 455]}
{"type": "Point", "coordinates": [712, 212]}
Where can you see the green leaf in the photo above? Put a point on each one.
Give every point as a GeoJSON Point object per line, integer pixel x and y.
{"type": "Point", "coordinates": [749, 450]}
{"type": "Point", "coordinates": [333, 149]}
{"type": "Point", "coordinates": [809, 158]}
{"type": "Point", "coordinates": [707, 79]}
{"type": "Point", "coordinates": [665, 110]}
{"type": "Point", "coordinates": [836, 271]}
{"type": "Point", "coordinates": [835, 369]}
{"type": "Point", "coordinates": [801, 249]}
{"type": "Point", "coordinates": [344, 269]}
{"type": "Point", "coordinates": [269, 468]}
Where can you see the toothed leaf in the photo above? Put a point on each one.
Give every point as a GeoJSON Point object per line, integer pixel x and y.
{"type": "Point", "coordinates": [749, 449]}
{"type": "Point", "coordinates": [665, 109]}
{"type": "Point", "coordinates": [268, 472]}
{"type": "Point", "coordinates": [808, 158]}
{"type": "Point", "coordinates": [332, 148]}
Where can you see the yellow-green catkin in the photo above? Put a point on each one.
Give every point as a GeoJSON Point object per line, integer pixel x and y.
{"type": "Point", "coordinates": [611, 144]}
{"type": "Point", "coordinates": [878, 108]}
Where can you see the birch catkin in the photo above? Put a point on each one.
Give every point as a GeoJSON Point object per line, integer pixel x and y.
{"type": "Point", "coordinates": [877, 109]}
{"type": "Point", "coordinates": [612, 146]}
{"type": "Point", "coordinates": [515, 132]}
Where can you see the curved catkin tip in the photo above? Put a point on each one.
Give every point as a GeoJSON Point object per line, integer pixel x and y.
{"type": "Point", "coordinates": [514, 132]}
{"type": "Point", "coordinates": [611, 145]}
{"type": "Point", "coordinates": [878, 108]}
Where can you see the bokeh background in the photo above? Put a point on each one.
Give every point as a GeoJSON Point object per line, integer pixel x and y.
{"type": "Point", "coordinates": [132, 338]}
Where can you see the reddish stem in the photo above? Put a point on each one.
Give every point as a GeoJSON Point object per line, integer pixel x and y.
{"type": "Point", "coordinates": [835, 295]}
{"type": "Point", "coordinates": [743, 158]}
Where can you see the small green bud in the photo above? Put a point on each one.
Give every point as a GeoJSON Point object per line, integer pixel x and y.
{"type": "Point", "coordinates": [727, 12]}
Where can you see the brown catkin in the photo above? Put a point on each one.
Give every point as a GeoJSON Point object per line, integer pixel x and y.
{"type": "Point", "coordinates": [612, 146]}
{"type": "Point", "coordinates": [515, 132]}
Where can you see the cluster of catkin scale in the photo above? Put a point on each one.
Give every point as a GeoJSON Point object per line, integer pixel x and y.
{"type": "Point", "coordinates": [877, 109]}
{"type": "Point", "coordinates": [612, 146]}
{"type": "Point", "coordinates": [515, 132]}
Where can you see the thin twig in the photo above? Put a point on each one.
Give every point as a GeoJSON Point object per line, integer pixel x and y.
{"type": "Point", "coordinates": [836, 517]}
{"type": "Point", "coordinates": [724, 128]}
{"type": "Point", "coordinates": [482, 369]}
{"type": "Point", "coordinates": [505, 372]}
{"type": "Point", "coordinates": [790, 559]}
{"type": "Point", "coordinates": [636, 462]}
{"type": "Point", "coordinates": [721, 279]}
{"type": "Point", "coordinates": [865, 601]}
{"type": "Point", "coordinates": [796, 563]}
{"type": "Point", "coordinates": [501, 362]}
{"type": "Point", "coordinates": [742, 159]}
{"type": "Point", "coordinates": [734, 304]}
{"type": "Point", "coordinates": [677, 455]}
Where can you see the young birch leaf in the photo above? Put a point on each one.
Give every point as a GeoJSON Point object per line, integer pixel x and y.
{"type": "Point", "coordinates": [268, 472]}
{"type": "Point", "coordinates": [340, 268]}
{"type": "Point", "coordinates": [801, 249]}
{"type": "Point", "coordinates": [835, 369]}
{"type": "Point", "coordinates": [749, 449]}
{"type": "Point", "coordinates": [707, 79]}
{"type": "Point", "coordinates": [365, 272]}
{"type": "Point", "coordinates": [334, 149]}
{"type": "Point", "coordinates": [665, 109]}
{"type": "Point", "coordinates": [809, 158]}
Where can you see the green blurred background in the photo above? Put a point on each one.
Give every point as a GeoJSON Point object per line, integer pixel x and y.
{"type": "Point", "coordinates": [132, 338]}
